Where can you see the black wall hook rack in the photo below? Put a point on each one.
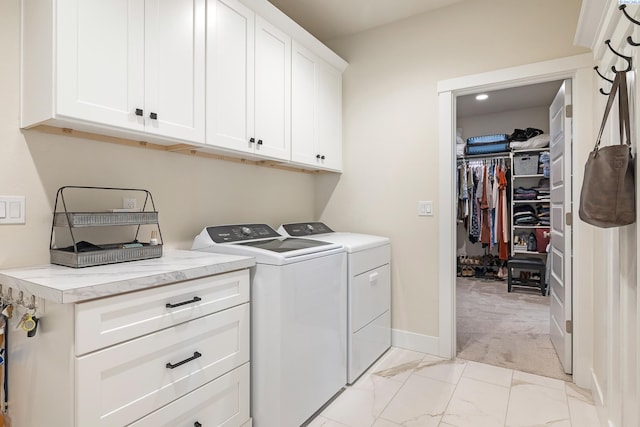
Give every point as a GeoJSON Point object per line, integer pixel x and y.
{"type": "Point", "coordinates": [605, 78]}
{"type": "Point", "coordinates": [623, 8]}
{"type": "Point", "coordinates": [626, 58]}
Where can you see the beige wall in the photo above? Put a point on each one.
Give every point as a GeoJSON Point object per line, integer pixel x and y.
{"type": "Point", "coordinates": [390, 122]}
{"type": "Point", "coordinates": [390, 125]}
{"type": "Point", "coordinates": [190, 193]}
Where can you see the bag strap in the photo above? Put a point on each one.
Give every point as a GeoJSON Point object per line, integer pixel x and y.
{"type": "Point", "coordinates": [623, 105]}
{"type": "Point", "coordinates": [612, 95]}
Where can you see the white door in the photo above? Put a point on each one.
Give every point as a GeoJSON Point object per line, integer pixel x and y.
{"type": "Point", "coordinates": [560, 253]}
{"type": "Point", "coordinates": [174, 68]}
{"type": "Point", "coordinates": [100, 61]}
{"type": "Point", "coordinates": [272, 91]}
{"type": "Point", "coordinates": [230, 66]}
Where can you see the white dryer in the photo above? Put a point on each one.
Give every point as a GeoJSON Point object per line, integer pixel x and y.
{"type": "Point", "coordinates": [298, 320]}
{"type": "Point", "coordinates": [368, 290]}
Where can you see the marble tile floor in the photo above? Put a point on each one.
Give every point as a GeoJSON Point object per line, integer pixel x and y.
{"type": "Point", "coordinates": [411, 389]}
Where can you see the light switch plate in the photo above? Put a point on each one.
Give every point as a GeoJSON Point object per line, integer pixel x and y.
{"type": "Point", "coordinates": [425, 208]}
{"type": "Point", "coordinates": [12, 210]}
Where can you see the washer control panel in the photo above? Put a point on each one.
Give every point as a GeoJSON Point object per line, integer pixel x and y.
{"type": "Point", "coordinates": [242, 232]}
{"type": "Point", "coordinates": [306, 229]}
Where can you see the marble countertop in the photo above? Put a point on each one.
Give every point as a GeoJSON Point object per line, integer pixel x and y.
{"type": "Point", "coordinates": [69, 285]}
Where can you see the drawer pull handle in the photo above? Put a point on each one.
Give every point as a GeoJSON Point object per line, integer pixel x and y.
{"type": "Point", "coordinates": [191, 301]}
{"type": "Point", "coordinates": [197, 424]}
{"type": "Point", "coordinates": [194, 357]}
{"type": "Point", "coordinates": [373, 277]}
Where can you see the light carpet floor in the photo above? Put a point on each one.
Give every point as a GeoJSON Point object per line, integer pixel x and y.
{"type": "Point", "coordinates": [507, 329]}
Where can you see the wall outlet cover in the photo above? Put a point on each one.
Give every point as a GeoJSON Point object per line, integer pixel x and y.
{"type": "Point", "coordinates": [128, 203]}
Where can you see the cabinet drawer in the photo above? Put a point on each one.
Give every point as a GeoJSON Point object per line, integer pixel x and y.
{"type": "Point", "coordinates": [125, 382]}
{"type": "Point", "coordinates": [367, 345]}
{"type": "Point", "coordinates": [223, 402]}
{"type": "Point", "coordinates": [368, 259]}
{"type": "Point", "coordinates": [370, 296]}
{"type": "Point", "coordinates": [107, 321]}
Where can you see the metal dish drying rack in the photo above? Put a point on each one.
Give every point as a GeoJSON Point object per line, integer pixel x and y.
{"type": "Point", "coordinates": [84, 254]}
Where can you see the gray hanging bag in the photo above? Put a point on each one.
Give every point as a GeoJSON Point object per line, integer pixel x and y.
{"type": "Point", "coordinates": [608, 191]}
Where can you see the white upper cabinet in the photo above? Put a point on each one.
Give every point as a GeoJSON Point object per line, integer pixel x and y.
{"type": "Point", "coordinates": [248, 75]}
{"type": "Point", "coordinates": [232, 77]}
{"type": "Point", "coordinates": [316, 111]}
{"type": "Point", "coordinates": [174, 68]}
{"type": "Point", "coordinates": [131, 65]}
{"type": "Point", "coordinates": [99, 61]}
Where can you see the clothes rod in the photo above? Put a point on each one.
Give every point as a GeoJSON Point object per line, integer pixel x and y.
{"type": "Point", "coordinates": [485, 156]}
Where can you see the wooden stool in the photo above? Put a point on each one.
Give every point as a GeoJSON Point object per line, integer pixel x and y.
{"type": "Point", "coordinates": [527, 265]}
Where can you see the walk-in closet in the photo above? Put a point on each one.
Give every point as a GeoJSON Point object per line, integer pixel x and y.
{"type": "Point", "coordinates": [504, 225]}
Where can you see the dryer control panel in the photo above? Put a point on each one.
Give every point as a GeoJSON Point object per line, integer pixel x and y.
{"type": "Point", "coordinates": [241, 232]}
{"type": "Point", "coordinates": [306, 229]}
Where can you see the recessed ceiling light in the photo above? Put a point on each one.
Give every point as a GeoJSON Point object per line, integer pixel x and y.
{"type": "Point", "coordinates": [482, 97]}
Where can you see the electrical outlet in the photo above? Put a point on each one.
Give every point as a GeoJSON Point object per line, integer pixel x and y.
{"type": "Point", "coordinates": [128, 203]}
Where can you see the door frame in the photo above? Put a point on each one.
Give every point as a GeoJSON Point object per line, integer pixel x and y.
{"type": "Point", "coordinates": [579, 68]}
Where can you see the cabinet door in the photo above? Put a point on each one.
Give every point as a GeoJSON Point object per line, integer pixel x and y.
{"type": "Point", "coordinates": [174, 68]}
{"type": "Point", "coordinates": [329, 122]}
{"type": "Point", "coordinates": [100, 61]}
{"type": "Point", "coordinates": [272, 91]}
{"type": "Point", "coordinates": [303, 106]}
{"type": "Point", "coordinates": [316, 111]}
{"type": "Point", "coordinates": [230, 64]}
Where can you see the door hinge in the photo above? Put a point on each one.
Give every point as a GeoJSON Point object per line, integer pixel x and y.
{"type": "Point", "coordinates": [569, 326]}
{"type": "Point", "coordinates": [568, 218]}
{"type": "Point", "coordinates": [568, 111]}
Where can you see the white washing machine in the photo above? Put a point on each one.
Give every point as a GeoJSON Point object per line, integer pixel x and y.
{"type": "Point", "coordinates": [368, 290]}
{"type": "Point", "coordinates": [298, 320]}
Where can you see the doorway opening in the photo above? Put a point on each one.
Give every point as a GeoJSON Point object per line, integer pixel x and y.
{"type": "Point", "coordinates": [579, 69]}
{"type": "Point", "coordinates": [504, 300]}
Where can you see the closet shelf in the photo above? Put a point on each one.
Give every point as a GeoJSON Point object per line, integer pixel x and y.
{"type": "Point", "coordinates": [529, 252]}
{"type": "Point", "coordinates": [531, 150]}
{"type": "Point", "coordinates": [531, 226]}
{"type": "Point", "coordinates": [537, 175]}
{"type": "Point", "coordinates": [524, 202]}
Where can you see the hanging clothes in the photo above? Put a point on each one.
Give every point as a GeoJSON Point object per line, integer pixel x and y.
{"type": "Point", "coordinates": [503, 222]}
{"type": "Point", "coordinates": [474, 229]}
{"type": "Point", "coordinates": [485, 233]}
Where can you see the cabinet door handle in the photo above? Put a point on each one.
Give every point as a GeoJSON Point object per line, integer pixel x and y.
{"type": "Point", "coordinates": [322, 157]}
{"type": "Point", "coordinates": [139, 112]}
{"type": "Point", "coordinates": [194, 357]}
{"type": "Point", "coordinates": [259, 142]}
{"type": "Point", "coordinates": [318, 156]}
{"type": "Point", "coordinates": [191, 301]}
{"type": "Point", "coordinates": [153, 116]}
{"type": "Point", "coordinates": [252, 140]}
{"type": "Point", "coordinates": [197, 424]}
{"type": "Point", "coordinates": [373, 277]}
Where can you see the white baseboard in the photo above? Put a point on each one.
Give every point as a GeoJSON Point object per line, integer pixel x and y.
{"type": "Point", "coordinates": [415, 342]}
{"type": "Point", "coordinates": [598, 398]}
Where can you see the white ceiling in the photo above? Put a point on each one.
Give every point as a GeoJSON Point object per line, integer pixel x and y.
{"type": "Point", "coordinates": [329, 19]}
{"type": "Point", "coordinates": [538, 95]}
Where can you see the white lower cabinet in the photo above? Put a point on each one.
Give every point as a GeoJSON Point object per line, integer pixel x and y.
{"type": "Point", "coordinates": [125, 382]}
{"type": "Point", "coordinates": [173, 355]}
{"type": "Point", "coordinates": [223, 402]}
